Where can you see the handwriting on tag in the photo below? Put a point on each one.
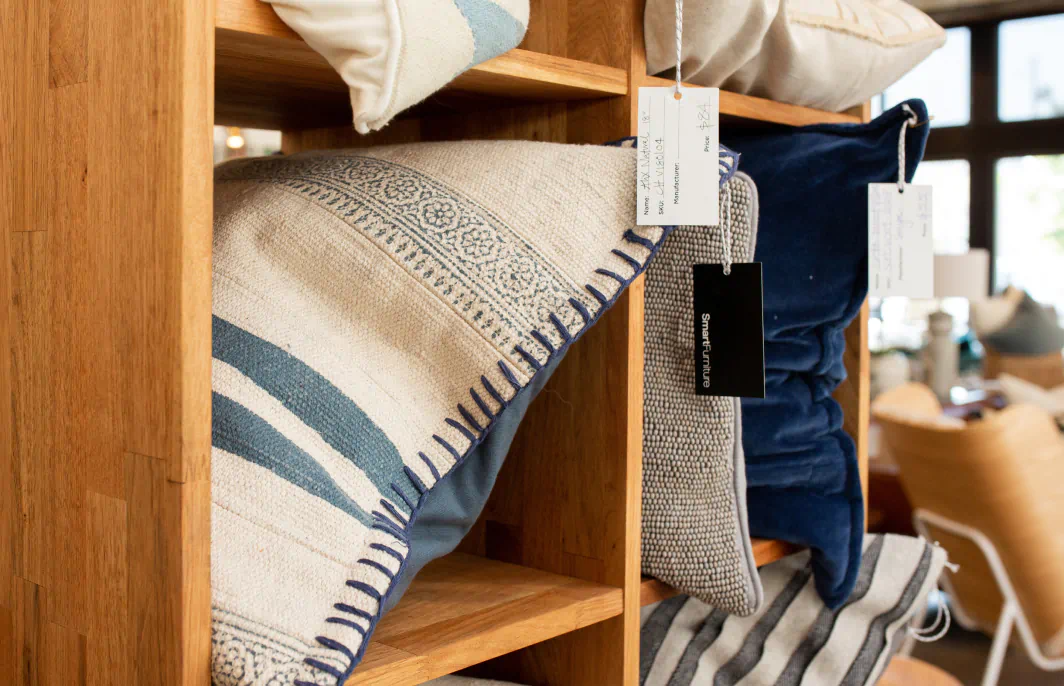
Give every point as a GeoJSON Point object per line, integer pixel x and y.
{"type": "Point", "coordinates": [678, 174]}
{"type": "Point", "coordinates": [729, 330]}
{"type": "Point", "coordinates": [901, 257]}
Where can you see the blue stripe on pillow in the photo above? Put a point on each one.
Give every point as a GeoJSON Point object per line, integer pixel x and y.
{"type": "Point", "coordinates": [237, 430]}
{"type": "Point", "coordinates": [308, 395]}
{"type": "Point", "coordinates": [495, 30]}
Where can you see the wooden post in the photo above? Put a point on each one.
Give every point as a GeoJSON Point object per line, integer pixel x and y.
{"type": "Point", "coordinates": [105, 201]}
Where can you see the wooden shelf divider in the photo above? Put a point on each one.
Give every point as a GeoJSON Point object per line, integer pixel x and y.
{"type": "Point", "coordinates": [266, 76]}
{"type": "Point", "coordinates": [463, 609]}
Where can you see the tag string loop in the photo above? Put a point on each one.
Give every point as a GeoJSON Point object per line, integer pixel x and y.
{"type": "Point", "coordinates": [679, 42]}
{"type": "Point", "coordinates": [910, 120]}
{"type": "Point", "coordinates": [725, 226]}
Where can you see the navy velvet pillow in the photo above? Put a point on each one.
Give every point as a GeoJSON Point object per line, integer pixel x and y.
{"type": "Point", "coordinates": [801, 467]}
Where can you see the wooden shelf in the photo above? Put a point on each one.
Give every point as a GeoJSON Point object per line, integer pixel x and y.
{"type": "Point", "coordinates": [266, 76]}
{"type": "Point", "coordinates": [749, 108]}
{"type": "Point", "coordinates": [765, 551]}
{"type": "Point", "coordinates": [464, 609]}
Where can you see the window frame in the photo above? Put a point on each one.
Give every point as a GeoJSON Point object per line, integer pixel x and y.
{"type": "Point", "coordinates": [986, 139]}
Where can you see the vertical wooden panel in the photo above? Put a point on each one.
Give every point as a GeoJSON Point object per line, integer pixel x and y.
{"type": "Point", "coordinates": [854, 393]}
{"type": "Point", "coordinates": [68, 56]}
{"type": "Point", "coordinates": [10, 519]}
{"type": "Point", "coordinates": [8, 640]}
{"type": "Point", "coordinates": [29, 625]}
{"type": "Point", "coordinates": [31, 398]}
{"type": "Point", "coordinates": [548, 27]}
{"type": "Point", "coordinates": [105, 213]}
{"type": "Point", "coordinates": [108, 561]}
{"type": "Point", "coordinates": [24, 84]}
{"type": "Point", "coordinates": [66, 657]}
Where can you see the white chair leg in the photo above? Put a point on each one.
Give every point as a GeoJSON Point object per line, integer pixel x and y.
{"type": "Point", "coordinates": [999, 645]}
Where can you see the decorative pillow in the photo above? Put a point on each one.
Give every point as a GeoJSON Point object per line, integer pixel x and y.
{"type": "Point", "coordinates": [830, 54]}
{"type": "Point", "coordinates": [375, 312]}
{"type": "Point", "coordinates": [695, 533]}
{"type": "Point", "coordinates": [801, 467]}
{"type": "Point", "coordinates": [794, 639]}
{"type": "Point", "coordinates": [1028, 329]}
{"type": "Point", "coordinates": [395, 53]}
{"type": "Point", "coordinates": [452, 508]}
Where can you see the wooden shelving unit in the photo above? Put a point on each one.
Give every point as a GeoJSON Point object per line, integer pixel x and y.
{"type": "Point", "coordinates": [105, 321]}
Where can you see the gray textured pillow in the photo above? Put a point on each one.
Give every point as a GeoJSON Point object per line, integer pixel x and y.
{"type": "Point", "coordinates": [695, 534]}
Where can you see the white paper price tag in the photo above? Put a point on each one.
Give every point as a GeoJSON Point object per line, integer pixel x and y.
{"type": "Point", "coordinates": [678, 175]}
{"type": "Point", "coordinates": [901, 257]}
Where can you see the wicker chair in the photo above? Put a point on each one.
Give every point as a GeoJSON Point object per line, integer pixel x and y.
{"type": "Point", "coordinates": [992, 493]}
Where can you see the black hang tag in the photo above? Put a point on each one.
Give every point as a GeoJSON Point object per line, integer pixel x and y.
{"type": "Point", "coordinates": [729, 331]}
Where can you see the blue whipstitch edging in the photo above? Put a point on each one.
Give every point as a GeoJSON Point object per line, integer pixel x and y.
{"type": "Point", "coordinates": [391, 522]}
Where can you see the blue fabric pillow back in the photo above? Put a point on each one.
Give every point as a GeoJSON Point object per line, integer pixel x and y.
{"type": "Point", "coordinates": [813, 242]}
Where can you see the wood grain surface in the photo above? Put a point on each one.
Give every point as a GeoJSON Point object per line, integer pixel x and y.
{"type": "Point", "coordinates": [463, 609]}
{"type": "Point", "coordinates": [105, 206]}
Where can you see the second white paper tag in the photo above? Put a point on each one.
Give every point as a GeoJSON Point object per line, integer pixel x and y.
{"type": "Point", "coordinates": [901, 257]}
{"type": "Point", "coordinates": [678, 173]}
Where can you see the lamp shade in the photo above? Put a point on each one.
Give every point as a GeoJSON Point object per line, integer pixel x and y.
{"type": "Point", "coordinates": [963, 276]}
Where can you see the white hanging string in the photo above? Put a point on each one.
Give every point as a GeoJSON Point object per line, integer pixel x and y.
{"type": "Point", "coordinates": [929, 634]}
{"type": "Point", "coordinates": [725, 226]}
{"type": "Point", "coordinates": [679, 42]}
{"type": "Point", "coordinates": [911, 120]}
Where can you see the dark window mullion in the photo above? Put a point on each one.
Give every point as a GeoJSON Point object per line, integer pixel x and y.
{"type": "Point", "coordinates": [984, 117]}
{"type": "Point", "coordinates": [984, 73]}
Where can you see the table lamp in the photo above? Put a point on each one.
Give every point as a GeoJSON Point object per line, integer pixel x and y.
{"type": "Point", "coordinates": [956, 276]}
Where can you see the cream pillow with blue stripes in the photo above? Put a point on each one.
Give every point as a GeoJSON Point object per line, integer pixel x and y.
{"type": "Point", "coordinates": [375, 313]}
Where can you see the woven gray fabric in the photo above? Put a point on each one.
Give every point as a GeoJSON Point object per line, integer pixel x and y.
{"type": "Point", "coordinates": [695, 534]}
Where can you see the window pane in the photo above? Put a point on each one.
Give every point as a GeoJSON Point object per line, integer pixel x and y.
{"type": "Point", "coordinates": [232, 141]}
{"type": "Point", "coordinates": [949, 203]}
{"type": "Point", "coordinates": [1030, 77]}
{"type": "Point", "coordinates": [1029, 227]}
{"type": "Point", "coordinates": [943, 81]}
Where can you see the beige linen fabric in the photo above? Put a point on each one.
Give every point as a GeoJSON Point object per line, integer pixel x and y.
{"type": "Point", "coordinates": [374, 311]}
{"type": "Point", "coordinates": [394, 53]}
{"type": "Point", "coordinates": [829, 54]}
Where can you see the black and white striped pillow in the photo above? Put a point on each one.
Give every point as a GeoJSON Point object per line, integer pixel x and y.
{"type": "Point", "coordinates": [794, 639]}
